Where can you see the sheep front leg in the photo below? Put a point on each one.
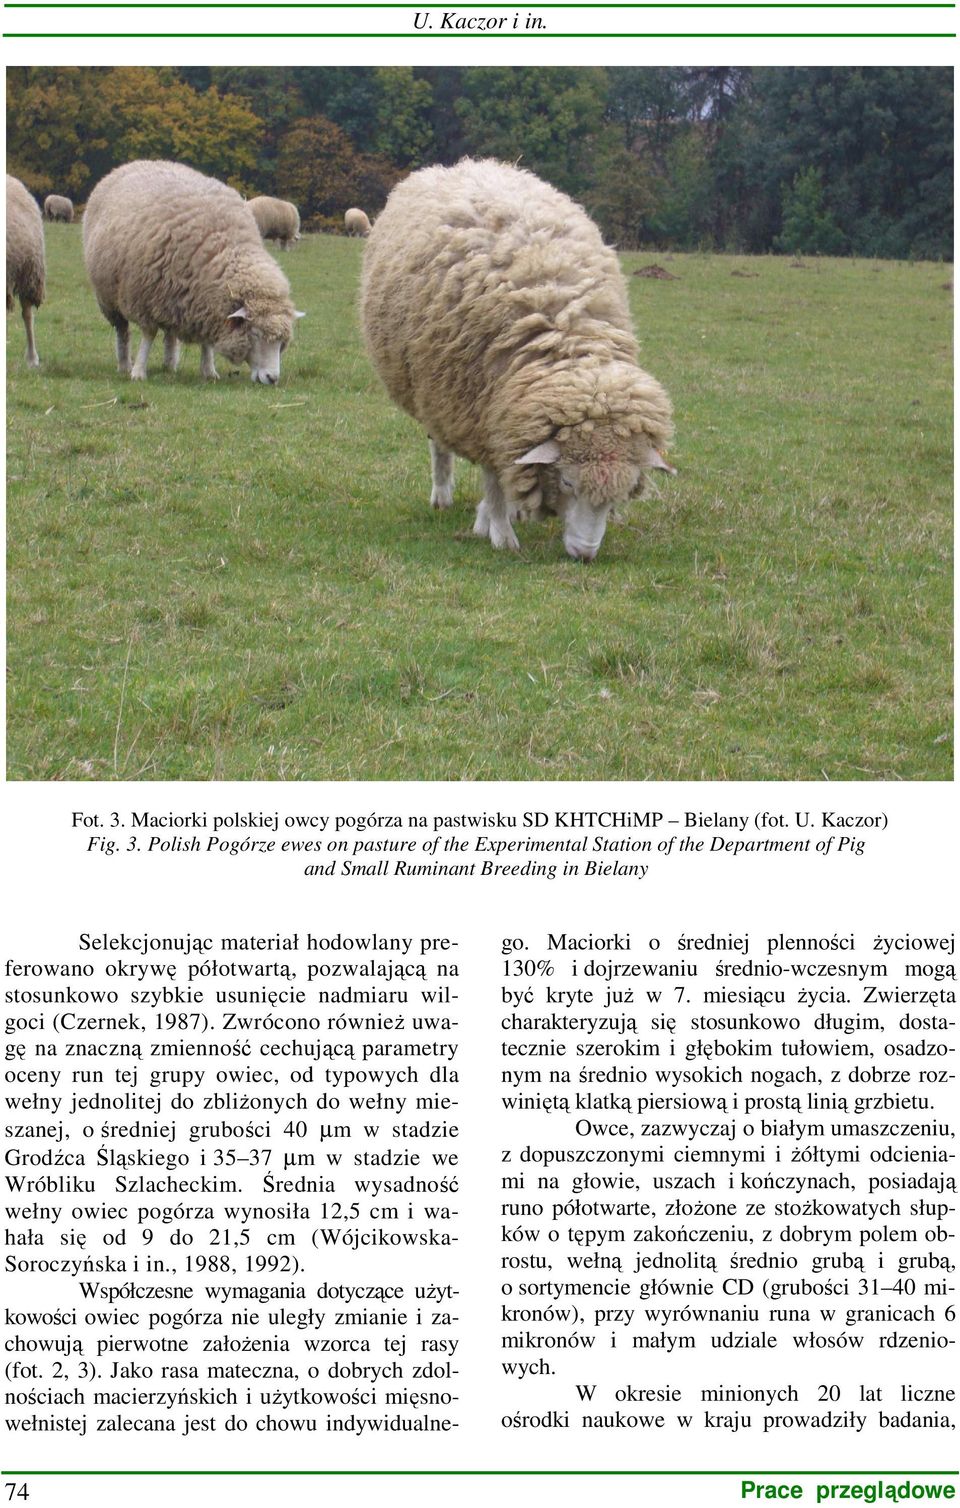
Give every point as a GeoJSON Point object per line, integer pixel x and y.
{"type": "Point", "coordinates": [123, 348]}
{"type": "Point", "coordinates": [33, 360]}
{"type": "Point", "coordinates": [147, 337]}
{"type": "Point", "coordinates": [208, 367]}
{"type": "Point", "coordinates": [493, 515]}
{"type": "Point", "coordinates": [171, 351]}
{"type": "Point", "coordinates": [441, 472]}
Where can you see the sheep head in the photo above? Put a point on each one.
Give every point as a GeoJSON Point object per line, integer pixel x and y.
{"type": "Point", "coordinates": [258, 336]}
{"type": "Point", "coordinates": [586, 471]}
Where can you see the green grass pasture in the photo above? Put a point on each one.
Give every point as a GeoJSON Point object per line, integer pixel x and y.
{"type": "Point", "coordinates": [237, 582]}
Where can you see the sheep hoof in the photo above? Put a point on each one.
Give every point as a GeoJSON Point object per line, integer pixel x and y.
{"type": "Point", "coordinates": [441, 497]}
{"type": "Point", "coordinates": [503, 539]}
{"type": "Point", "coordinates": [33, 362]}
{"type": "Point", "coordinates": [136, 376]}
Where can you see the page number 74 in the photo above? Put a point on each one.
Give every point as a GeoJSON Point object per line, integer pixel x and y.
{"type": "Point", "coordinates": [16, 1490]}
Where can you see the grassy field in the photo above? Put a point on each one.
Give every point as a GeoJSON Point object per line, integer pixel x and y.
{"type": "Point", "coordinates": [235, 582]}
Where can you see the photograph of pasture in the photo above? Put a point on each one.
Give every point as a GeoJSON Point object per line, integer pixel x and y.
{"type": "Point", "coordinates": [703, 526]}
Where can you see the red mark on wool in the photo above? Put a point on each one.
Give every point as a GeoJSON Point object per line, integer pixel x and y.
{"type": "Point", "coordinates": [603, 470]}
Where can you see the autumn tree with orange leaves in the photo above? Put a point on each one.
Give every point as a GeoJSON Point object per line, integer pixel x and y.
{"type": "Point", "coordinates": [67, 127]}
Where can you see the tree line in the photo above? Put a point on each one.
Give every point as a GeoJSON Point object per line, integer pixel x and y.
{"type": "Point", "coordinates": [840, 161]}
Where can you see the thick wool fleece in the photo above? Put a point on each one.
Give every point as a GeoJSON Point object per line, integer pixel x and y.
{"type": "Point", "coordinates": [25, 263]}
{"type": "Point", "coordinates": [277, 219]}
{"type": "Point", "coordinates": [496, 316]}
{"type": "Point", "coordinates": [58, 207]}
{"type": "Point", "coordinates": [170, 249]}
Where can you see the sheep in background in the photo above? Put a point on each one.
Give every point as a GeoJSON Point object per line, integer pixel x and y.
{"type": "Point", "coordinates": [170, 249]}
{"type": "Point", "coordinates": [277, 220]}
{"type": "Point", "coordinates": [25, 260]}
{"type": "Point", "coordinates": [58, 207]}
{"type": "Point", "coordinates": [496, 316]}
{"type": "Point", "coordinates": [355, 223]}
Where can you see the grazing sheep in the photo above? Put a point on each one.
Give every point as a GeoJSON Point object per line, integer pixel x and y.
{"type": "Point", "coordinates": [496, 316]}
{"type": "Point", "coordinates": [277, 220]}
{"type": "Point", "coordinates": [58, 207]}
{"type": "Point", "coordinates": [172, 250]}
{"type": "Point", "coordinates": [356, 223]}
{"type": "Point", "coordinates": [25, 262]}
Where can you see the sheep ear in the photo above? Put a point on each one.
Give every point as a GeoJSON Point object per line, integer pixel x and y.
{"type": "Point", "coordinates": [540, 455]}
{"type": "Point", "coordinates": [240, 313]}
{"type": "Point", "coordinates": [299, 313]}
{"type": "Point", "coordinates": [655, 462]}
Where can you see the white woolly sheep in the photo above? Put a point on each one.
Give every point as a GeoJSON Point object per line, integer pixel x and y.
{"type": "Point", "coordinates": [496, 317]}
{"type": "Point", "coordinates": [25, 260]}
{"type": "Point", "coordinates": [170, 249]}
{"type": "Point", "coordinates": [355, 223]}
{"type": "Point", "coordinates": [58, 207]}
{"type": "Point", "coordinates": [277, 220]}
